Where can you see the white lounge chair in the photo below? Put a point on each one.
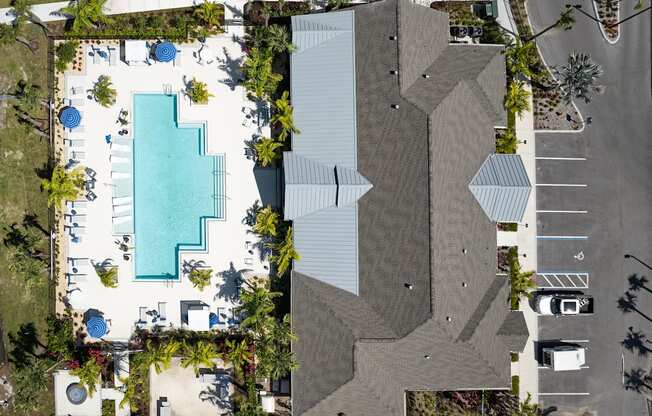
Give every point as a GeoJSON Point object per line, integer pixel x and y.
{"type": "Point", "coordinates": [77, 231]}
{"type": "Point", "coordinates": [120, 209]}
{"type": "Point", "coordinates": [77, 90]}
{"type": "Point", "coordinates": [122, 220]}
{"type": "Point", "coordinates": [75, 142]}
{"type": "Point", "coordinates": [120, 148]}
{"type": "Point", "coordinates": [76, 102]}
{"type": "Point", "coordinates": [79, 261]}
{"type": "Point", "coordinates": [122, 200]}
{"type": "Point", "coordinates": [119, 159]}
{"type": "Point", "coordinates": [162, 312]}
{"type": "Point", "coordinates": [77, 155]}
{"type": "Point", "coordinates": [120, 175]}
{"type": "Point", "coordinates": [113, 56]}
{"type": "Point", "coordinates": [74, 279]}
{"type": "Point", "coordinates": [178, 59]}
{"type": "Point", "coordinates": [76, 219]}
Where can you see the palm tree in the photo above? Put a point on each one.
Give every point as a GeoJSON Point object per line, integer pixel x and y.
{"type": "Point", "coordinates": [160, 356]}
{"type": "Point", "coordinates": [89, 374]}
{"type": "Point", "coordinates": [278, 40]}
{"type": "Point", "coordinates": [275, 363]}
{"type": "Point", "coordinates": [198, 91]}
{"type": "Point", "coordinates": [635, 340]}
{"type": "Point", "coordinates": [108, 275]}
{"type": "Point", "coordinates": [10, 34]}
{"type": "Point", "coordinates": [260, 79]}
{"type": "Point", "coordinates": [103, 92]}
{"type": "Point", "coordinates": [200, 354]}
{"type": "Point", "coordinates": [257, 305]}
{"type": "Point", "coordinates": [238, 353]}
{"type": "Point", "coordinates": [266, 222]}
{"type": "Point", "coordinates": [516, 99]}
{"type": "Point", "coordinates": [507, 142]}
{"type": "Point", "coordinates": [200, 278]}
{"type": "Point", "coordinates": [578, 76]}
{"type": "Point", "coordinates": [29, 97]}
{"type": "Point", "coordinates": [284, 116]}
{"type": "Point", "coordinates": [286, 253]}
{"type": "Point", "coordinates": [86, 14]}
{"type": "Point", "coordinates": [521, 282]}
{"type": "Point", "coordinates": [22, 10]}
{"type": "Point", "coordinates": [210, 14]}
{"type": "Point", "coordinates": [520, 58]}
{"type": "Point", "coordinates": [266, 151]}
{"type": "Point", "coordinates": [526, 408]}
{"type": "Point", "coordinates": [64, 185]}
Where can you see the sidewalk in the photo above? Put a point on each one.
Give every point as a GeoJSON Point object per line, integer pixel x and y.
{"type": "Point", "coordinates": [527, 367]}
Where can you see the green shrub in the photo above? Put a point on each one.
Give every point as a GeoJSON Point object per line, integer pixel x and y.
{"type": "Point", "coordinates": [515, 385]}
{"type": "Point", "coordinates": [66, 52]}
{"type": "Point", "coordinates": [514, 357]}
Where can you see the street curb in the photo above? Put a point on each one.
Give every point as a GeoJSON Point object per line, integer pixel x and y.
{"type": "Point", "coordinates": [604, 34]}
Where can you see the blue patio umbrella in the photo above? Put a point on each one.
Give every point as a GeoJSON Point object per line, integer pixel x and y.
{"type": "Point", "coordinates": [213, 319]}
{"type": "Point", "coordinates": [96, 326]}
{"type": "Point", "coordinates": [70, 117]}
{"type": "Point", "coordinates": [165, 51]}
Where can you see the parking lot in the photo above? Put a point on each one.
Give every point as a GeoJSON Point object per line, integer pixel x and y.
{"type": "Point", "coordinates": [564, 232]}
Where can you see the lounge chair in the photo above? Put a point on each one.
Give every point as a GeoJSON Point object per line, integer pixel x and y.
{"type": "Point", "coordinates": [96, 56]}
{"type": "Point", "coordinates": [120, 148]}
{"type": "Point", "coordinates": [122, 220]}
{"type": "Point", "coordinates": [122, 200]}
{"type": "Point", "coordinates": [120, 175]}
{"type": "Point", "coordinates": [76, 102]}
{"type": "Point", "coordinates": [77, 230]}
{"type": "Point", "coordinates": [121, 209]}
{"type": "Point", "coordinates": [142, 316]}
{"type": "Point", "coordinates": [77, 155]}
{"type": "Point", "coordinates": [178, 60]}
{"type": "Point", "coordinates": [90, 195]}
{"type": "Point", "coordinates": [90, 172]}
{"type": "Point", "coordinates": [162, 313]}
{"type": "Point", "coordinates": [74, 279]}
{"type": "Point", "coordinates": [79, 261]}
{"type": "Point", "coordinates": [119, 159]}
{"type": "Point", "coordinates": [77, 90]}
{"type": "Point", "coordinates": [222, 315]}
{"type": "Point", "coordinates": [249, 261]}
{"type": "Point", "coordinates": [75, 142]}
{"type": "Point", "coordinates": [76, 220]}
{"type": "Point", "coordinates": [113, 56]}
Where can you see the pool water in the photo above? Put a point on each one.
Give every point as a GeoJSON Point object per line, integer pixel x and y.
{"type": "Point", "coordinates": [176, 186]}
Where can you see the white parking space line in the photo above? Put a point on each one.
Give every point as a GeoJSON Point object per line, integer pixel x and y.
{"type": "Point", "coordinates": [559, 158]}
{"type": "Point", "coordinates": [564, 394]}
{"type": "Point", "coordinates": [561, 211]}
{"type": "Point", "coordinates": [567, 185]}
{"type": "Point", "coordinates": [562, 237]}
{"type": "Point", "coordinates": [575, 341]}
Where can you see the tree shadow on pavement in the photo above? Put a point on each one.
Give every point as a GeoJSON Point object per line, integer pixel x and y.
{"type": "Point", "coordinates": [628, 303]}
{"type": "Point", "coordinates": [637, 283]}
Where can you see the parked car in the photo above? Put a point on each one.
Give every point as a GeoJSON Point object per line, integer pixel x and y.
{"type": "Point", "coordinates": [559, 304]}
{"type": "Point", "coordinates": [459, 31]}
{"type": "Point", "coordinates": [564, 358]}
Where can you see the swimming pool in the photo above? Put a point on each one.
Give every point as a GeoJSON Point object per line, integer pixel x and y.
{"type": "Point", "coordinates": [176, 186]}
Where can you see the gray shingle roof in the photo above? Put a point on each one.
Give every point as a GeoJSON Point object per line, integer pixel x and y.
{"type": "Point", "coordinates": [502, 188]}
{"type": "Point", "coordinates": [419, 224]}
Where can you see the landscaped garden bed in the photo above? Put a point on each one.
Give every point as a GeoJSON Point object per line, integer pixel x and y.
{"type": "Point", "coordinates": [550, 111]}
{"type": "Point", "coordinates": [490, 403]}
{"type": "Point", "coordinates": [608, 13]}
{"type": "Point", "coordinates": [259, 12]}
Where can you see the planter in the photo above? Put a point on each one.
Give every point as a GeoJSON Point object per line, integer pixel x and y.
{"type": "Point", "coordinates": [608, 12]}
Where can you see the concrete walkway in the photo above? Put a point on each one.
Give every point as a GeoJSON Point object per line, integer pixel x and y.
{"type": "Point", "coordinates": [527, 367]}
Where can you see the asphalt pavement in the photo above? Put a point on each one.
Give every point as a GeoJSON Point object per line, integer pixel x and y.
{"type": "Point", "coordinates": [594, 207]}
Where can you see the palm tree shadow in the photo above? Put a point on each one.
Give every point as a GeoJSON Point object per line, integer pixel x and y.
{"type": "Point", "coordinates": [30, 220]}
{"type": "Point", "coordinates": [627, 304]}
{"type": "Point", "coordinates": [638, 381]}
{"type": "Point", "coordinates": [25, 345]}
{"type": "Point", "coordinates": [233, 70]}
{"type": "Point", "coordinates": [635, 341]}
{"type": "Point", "coordinates": [637, 283]}
{"type": "Point", "coordinates": [230, 288]}
{"type": "Point", "coordinates": [44, 172]}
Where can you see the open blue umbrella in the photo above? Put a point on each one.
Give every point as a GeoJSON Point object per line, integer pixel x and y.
{"type": "Point", "coordinates": [70, 117]}
{"type": "Point", "coordinates": [165, 51]}
{"type": "Point", "coordinates": [213, 319]}
{"type": "Point", "coordinates": [96, 326]}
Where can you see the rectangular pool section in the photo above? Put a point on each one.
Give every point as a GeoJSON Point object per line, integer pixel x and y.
{"type": "Point", "coordinates": [176, 186]}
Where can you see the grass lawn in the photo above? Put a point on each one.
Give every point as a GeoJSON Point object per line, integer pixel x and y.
{"type": "Point", "coordinates": [22, 153]}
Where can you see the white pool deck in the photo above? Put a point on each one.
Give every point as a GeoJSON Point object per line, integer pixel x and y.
{"type": "Point", "coordinates": [227, 239]}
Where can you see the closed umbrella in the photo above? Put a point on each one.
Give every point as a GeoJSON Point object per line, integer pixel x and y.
{"type": "Point", "coordinates": [70, 117]}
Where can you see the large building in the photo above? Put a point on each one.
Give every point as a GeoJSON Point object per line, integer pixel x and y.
{"type": "Point", "coordinates": [394, 191]}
